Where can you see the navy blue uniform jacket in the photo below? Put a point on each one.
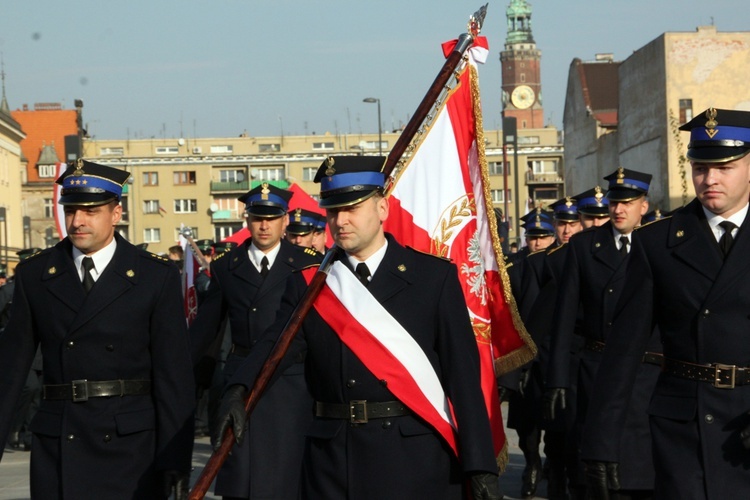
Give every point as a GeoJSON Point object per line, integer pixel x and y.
{"type": "Point", "coordinates": [268, 464]}
{"type": "Point", "coordinates": [398, 457]}
{"type": "Point", "coordinates": [131, 325]}
{"type": "Point", "coordinates": [701, 304]}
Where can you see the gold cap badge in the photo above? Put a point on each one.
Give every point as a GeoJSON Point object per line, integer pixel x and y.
{"type": "Point", "coordinates": [79, 168]}
{"type": "Point", "coordinates": [598, 194]}
{"type": "Point", "coordinates": [711, 123]}
{"type": "Point", "coordinates": [329, 164]}
{"type": "Point", "coordinates": [620, 175]}
{"type": "Point", "coordinates": [264, 192]}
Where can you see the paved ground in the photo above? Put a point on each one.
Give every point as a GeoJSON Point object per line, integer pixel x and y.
{"type": "Point", "coordinates": [14, 470]}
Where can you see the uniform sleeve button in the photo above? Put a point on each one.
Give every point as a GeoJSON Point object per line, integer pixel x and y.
{"type": "Point", "coordinates": [351, 382]}
{"type": "Point", "coordinates": [110, 347]}
{"type": "Point", "coordinates": [706, 312]}
{"type": "Point", "coordinates": [107, 438]}
{"type": "Point", "coordinates": [71, 344]}
{"type": "Point", "coordinates": [71, 437]}
{"type": "Point", "coordinates": [709, 419]}
{"type": "Point", "coordinates": [611, 290]}
{"type": "Point", "coordinates": [387, 424]}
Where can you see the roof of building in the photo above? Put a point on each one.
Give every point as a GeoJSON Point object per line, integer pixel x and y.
{"type": "Point", "coordinates": [600, 86]}
{"type": "Point", "coordinates": [44, 127]}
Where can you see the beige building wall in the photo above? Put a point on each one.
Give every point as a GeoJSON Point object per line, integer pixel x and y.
{"type": "Point", "coordinates": [662, 85]}
{"type": "Point", "coordinates": [11, 168]}
{"type": "Point", "coordinates": [196, 182]}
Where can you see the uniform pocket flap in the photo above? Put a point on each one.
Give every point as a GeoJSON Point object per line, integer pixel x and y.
{"type": "Point", "coordinates": [46, 423]}
{"type": "Point", "coordinates": [674, 407]}
{"type": "Point", "coordinates": [135, 421]}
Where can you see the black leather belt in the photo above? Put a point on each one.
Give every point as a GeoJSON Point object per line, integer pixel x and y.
{"type": "Point", "coordinates": [654, 358]}
{"type": "Point", "coordinates": [720, 375]}
{"type": "Point", "coordinates": [594, 345]}
{"type": "Point", "coordinates": [81, 390]}
{"type": "Point", "coordinates": [238, 350]}
{"type": "Point", "coordinates": [359, 412]}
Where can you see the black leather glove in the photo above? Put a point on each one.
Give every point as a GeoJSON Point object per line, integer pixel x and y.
{"type": "Point", "coordinates": [745, 437]}
{"type": "Point", "coordinates": [177, 482]}
{"type": "Point", "coordinates": [552, 399]}
{"type": "Point", "coordinates": [231, 415]}
{"type": "Point", "coordinates": [523, 381]}
{"type": "Point", "coordinates": [485, 486]}
{"type": "Point", "coordinates": [503, 393]}
{"type": "Point", "coordinates": [601, 477]}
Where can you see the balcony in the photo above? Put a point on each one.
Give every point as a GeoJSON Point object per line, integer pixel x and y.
{"type": "Point", "coordinates": [229, 186]}
{"type": "Point", "coordinates": [226, 216]}
{"type": "Point", "coordinates": [546, 178]}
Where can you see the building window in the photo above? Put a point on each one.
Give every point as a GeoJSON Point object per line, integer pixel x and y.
{"type": "Point", "coordinates": [268, 174]}
{"type": "Point", "coordinates": [231, 175]}
{"type": "Point", "coordinates": [112, 151]}
{"type": "Point", "coordinates": [523, 77]}
{"type": "Point", "coordinates": [686, 110]}
{"type": "Point", "coordinates": [322, 146]}
{"type": "Point", "coordinates": [46, 171]}
{"type": "Point", "coordinates": [496, 168]}
{"type": "Point", "coordinates": [49, 208]}
{"type": "Point", "coordinates": [178, 232]}
{"type": "Point", "coordinates": [222, 149]}
{"type": "Point", "coordinates": [523, 124]}
{"type": "Point", "coordinates": [151, 235]}
{"type": "Point", "coordinates": [224, 232]}
{"type": "Point", "coordinates": [183, 178]}
{"type": "Point", "coordinates": [547, 196]}
{"type": "Point", "coordinates": [373, 145]}
{"type": "Point", "coordinates": [150, 178]}
{"type": "Point", "coordinates": [185, 206]}
{"type": "Point", "coordinates": [528, 139]}
{"type": "Point", "coordinates": [167, 150]}
{"type": "Point", "coordinates": [269, 148]}
{"type": "Point", "coordinates": [542, 167]}
{"type": "Point", "coordinates": [308, 173]}
{"type": "Point", "coordinates": [124, 203]}
{"type": "Point", "coordinates": [498, 196]}
{"type": "Point", "coordinates": [151, 206]}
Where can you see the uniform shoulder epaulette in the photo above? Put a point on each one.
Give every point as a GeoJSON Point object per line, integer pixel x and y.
{"type": "Point", "coordinates": [35, 254]}
{"type": "Point", "coordinates": [430, 254]}
{"type": "Point", "coordinates": [156, 257]}
{"type": "Point", "coordinates": [312, 251]}
{"type": "Point", "coordinates": [553, 250]}
{"type": "Point", "coordinates": [653, 222]}
{"type": "Point", "coordinates": [221, 255]}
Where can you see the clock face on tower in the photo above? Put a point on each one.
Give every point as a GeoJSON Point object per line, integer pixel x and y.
{"type": "Point", "coordinates": [522, 96]}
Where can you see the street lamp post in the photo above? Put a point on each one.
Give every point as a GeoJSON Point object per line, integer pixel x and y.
{"type": "Point", "coordinates": [380, 127]}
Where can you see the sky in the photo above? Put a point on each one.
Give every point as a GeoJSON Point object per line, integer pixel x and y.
{"type": "Point", "coordinates": [220, 68]}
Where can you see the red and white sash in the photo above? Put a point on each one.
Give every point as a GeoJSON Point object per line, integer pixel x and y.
{"type": "Point", "coordinates": [384, 347]}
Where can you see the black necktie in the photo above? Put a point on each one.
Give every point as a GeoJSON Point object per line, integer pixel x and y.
{"type": "Point", "coordinates": [88, 280]}
{"type": "Point", "coordinates": [264, 267]}
{"type": "Point", "coordinates": [363, 273]}
{"type": "Point", "coordinates": [726, 240]}
{"type": "Point", "coordinates": [624, 245]}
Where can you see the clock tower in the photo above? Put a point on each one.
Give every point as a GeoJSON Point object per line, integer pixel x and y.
{"type": "Point", "coordinates": [522, 85]}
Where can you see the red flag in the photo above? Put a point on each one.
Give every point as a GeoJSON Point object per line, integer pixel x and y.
{"type": "Point", "coordinates": [440, 204]}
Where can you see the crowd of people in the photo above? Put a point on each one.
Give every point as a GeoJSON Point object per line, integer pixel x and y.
{"type": "Point", "coordinates": [638, 390]}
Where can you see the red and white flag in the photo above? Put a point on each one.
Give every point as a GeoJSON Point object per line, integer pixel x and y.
{"type": "Point", "coordinates": [441, 204]}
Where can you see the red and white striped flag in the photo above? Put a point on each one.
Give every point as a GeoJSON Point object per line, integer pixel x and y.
{"type": "Point", "coordinates": [441, 204]}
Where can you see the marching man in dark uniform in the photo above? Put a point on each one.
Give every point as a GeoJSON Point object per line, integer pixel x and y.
{"type": "Point", "coordinates": [246, 286]}
{"type": "Point", "coordinates": [690, 275]}
{"type": "Point", "coordinates": [375, 435]}
{"type": "Point", "coordinates": [116, 416]}
{"type": "Point", "coordinates": [593, 282]}
{"type": "Point", "coordinates": [319, 234]}
{"type": "Point", "coordinates": [301, 228]}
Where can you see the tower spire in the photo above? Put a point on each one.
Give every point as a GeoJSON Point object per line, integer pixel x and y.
{"type": "Point", "coordinates": [518, 15]}
{"type": "Point", "coordinates": [4, 103]}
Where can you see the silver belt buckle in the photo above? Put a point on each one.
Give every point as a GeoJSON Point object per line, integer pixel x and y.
{"type": "Point", "coordinates": [358, 412]}
{"type": "Point", "coordinates": [717, 375]}
{"type": "Point", "coordinates": [80, 389]}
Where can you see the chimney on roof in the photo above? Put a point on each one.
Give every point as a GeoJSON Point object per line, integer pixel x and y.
{"type": "Point", "coordinates": [605, 57]}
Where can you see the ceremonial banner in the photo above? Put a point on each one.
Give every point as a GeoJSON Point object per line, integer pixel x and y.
{"type": "Point", "coordinates": [190, 269]}
{"type": "Point", "coordinates": [441, 204]}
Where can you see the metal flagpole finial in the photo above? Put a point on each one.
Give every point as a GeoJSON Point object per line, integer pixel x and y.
{"type": "Point", "coordinates": [477, 20]}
